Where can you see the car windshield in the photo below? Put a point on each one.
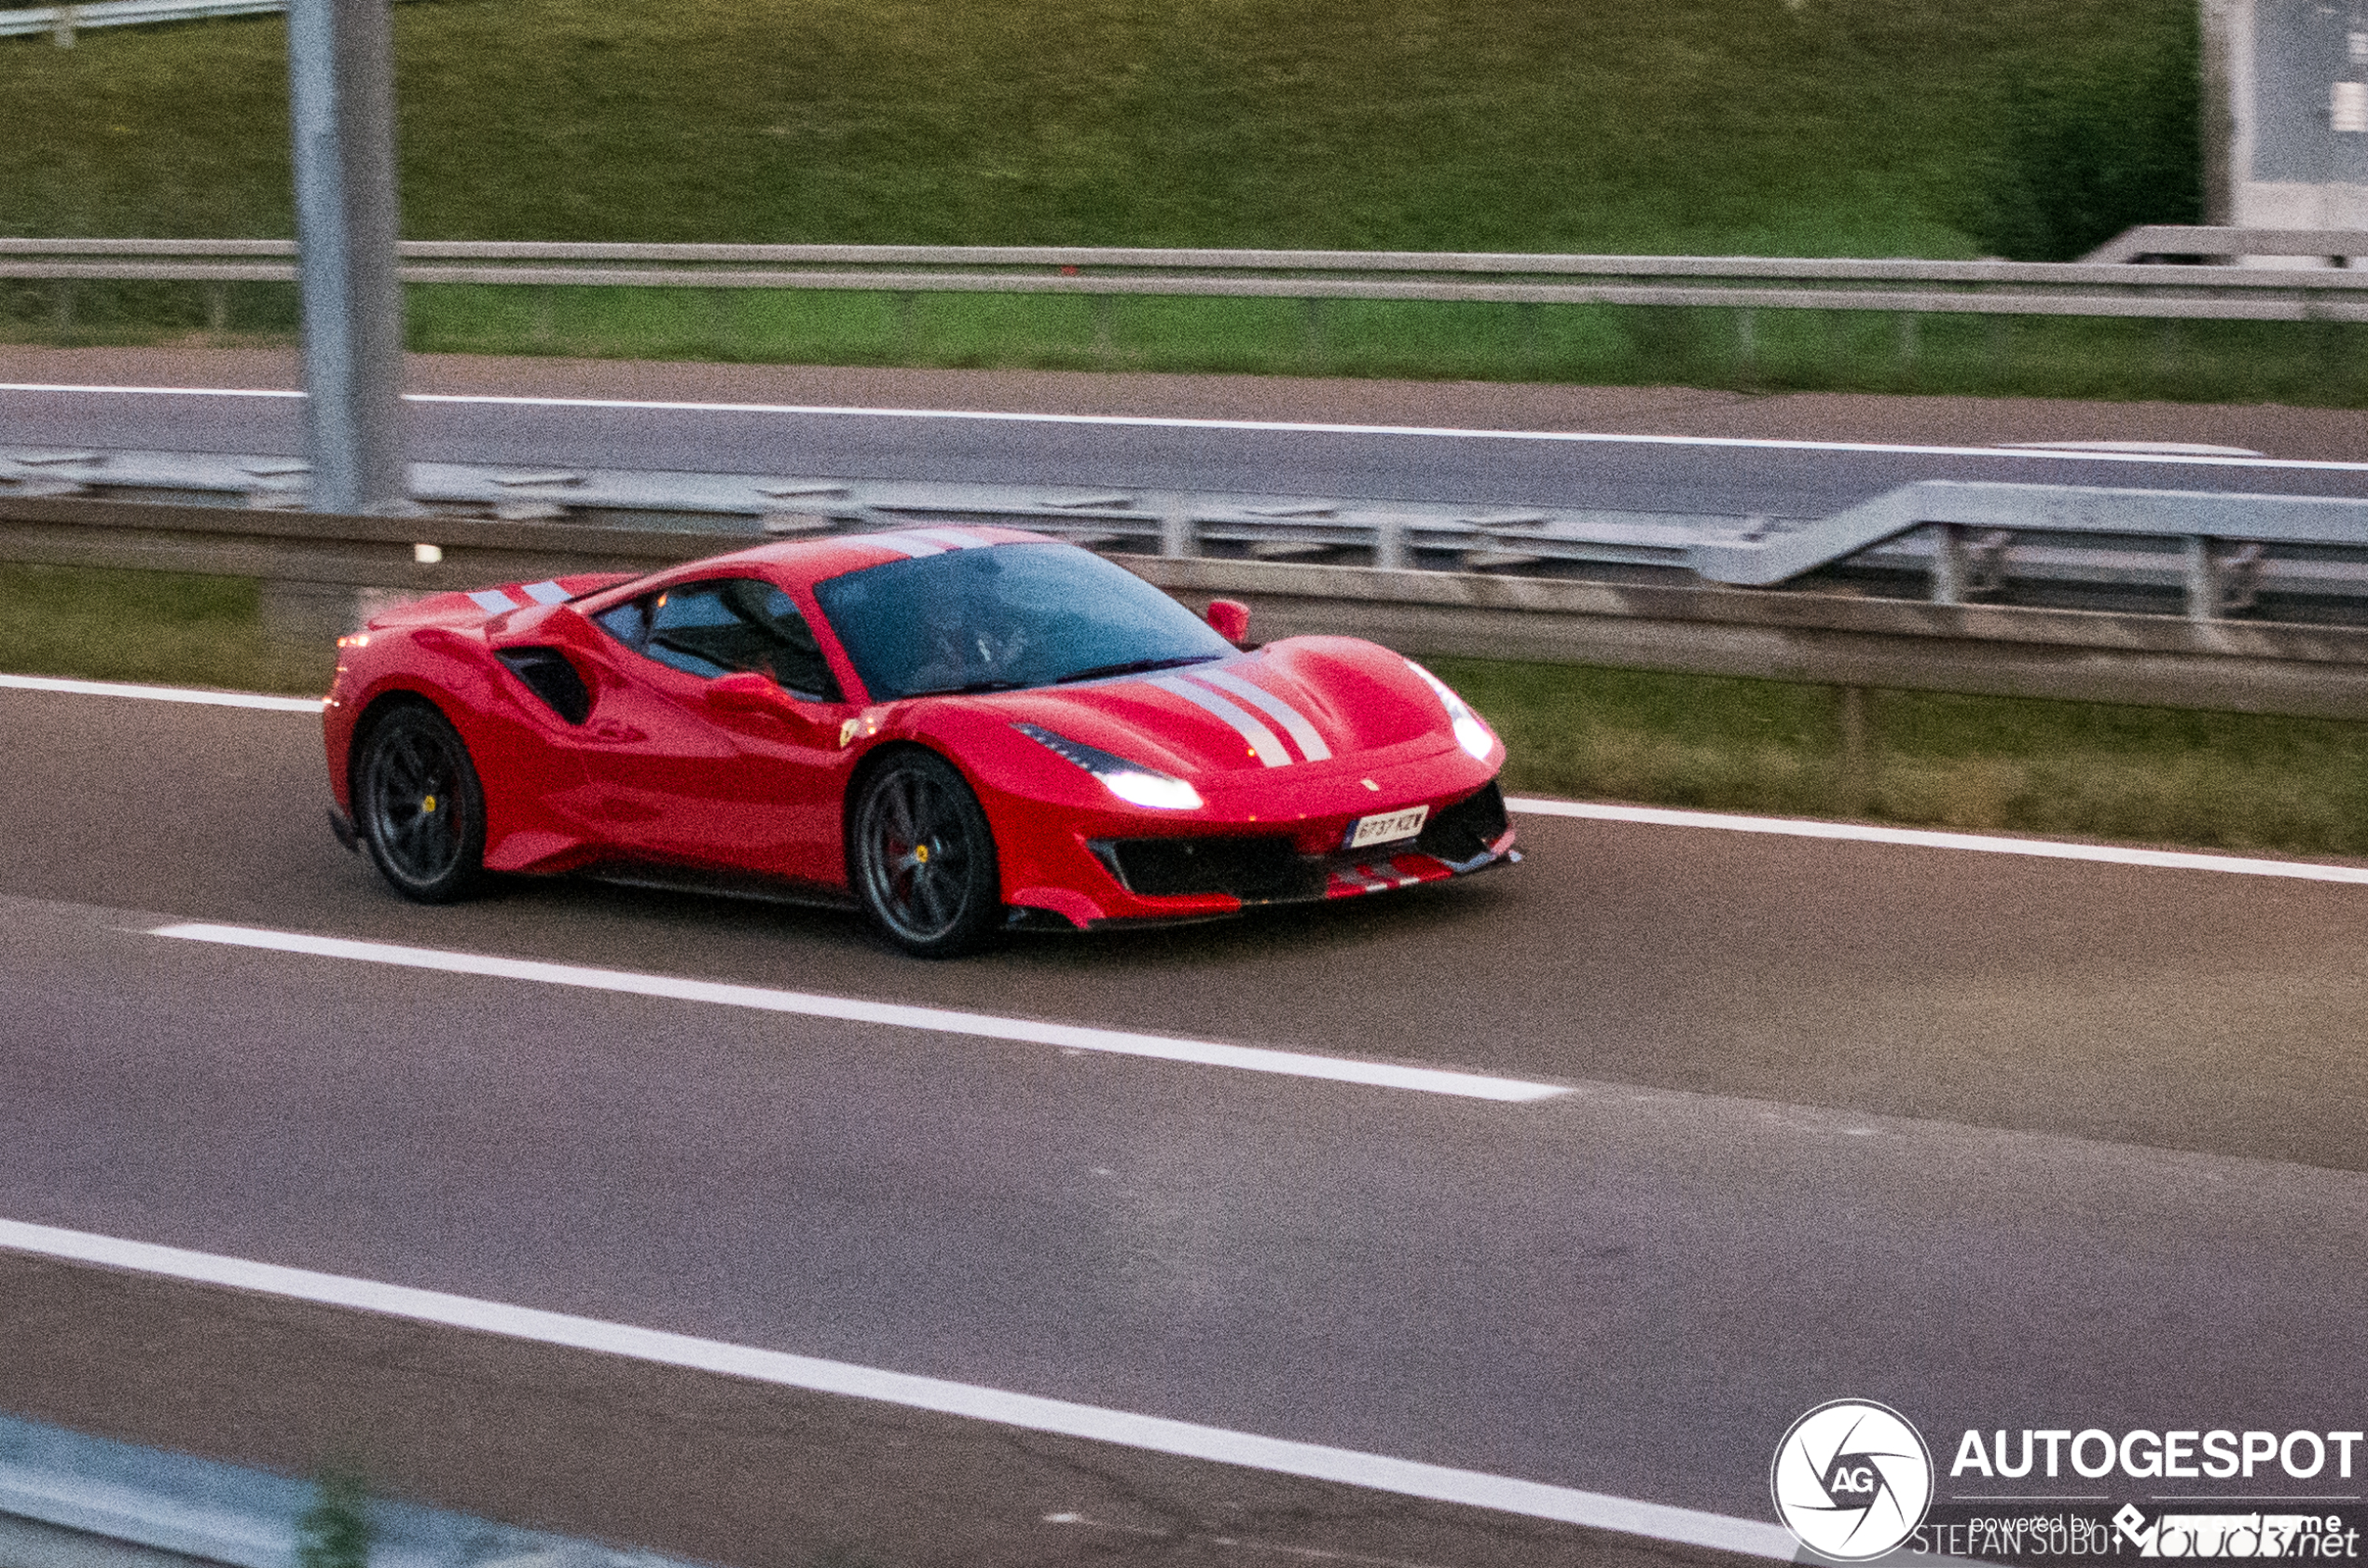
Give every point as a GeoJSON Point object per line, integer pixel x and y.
{"type": "Point", "coordinates": [1006, 617]}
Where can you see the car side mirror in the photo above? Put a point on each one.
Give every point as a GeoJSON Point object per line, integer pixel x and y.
{"type": "Point", "coordinates": [1230, 619]}
{"type": "Point", "coordinates": [746, 691]}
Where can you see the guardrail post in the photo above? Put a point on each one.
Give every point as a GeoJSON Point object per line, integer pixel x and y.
{"type": "Point", "coordinates": [2205, 591]}
{"type": "Point", "coordinates": [218, 308]}
{"type": "Point", "coordinates": [1177, 535]}
{"type": "Point", "coordinates": [1312, 313]}
{"type": "Point", "coordinates": [62, 27]}
{"type": "Point", "coordinates": [907, 306]}
{"type": "Point", "coordinates": [1102, 336]}
{"type": "Point", "coordinates": [1908, 321]}
{"type": "Point", "coordinates": [1389, 543]}
{"type": "Point", "coordinates": [61, 313]}
{"type": "Point", "coordinates": [1949, 563]}
{"type": "Point", "coordinates": [1744, 346]}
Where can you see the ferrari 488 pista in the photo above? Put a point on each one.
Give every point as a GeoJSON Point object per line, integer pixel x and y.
{"type": "Point", "coordinates": [959, 729]}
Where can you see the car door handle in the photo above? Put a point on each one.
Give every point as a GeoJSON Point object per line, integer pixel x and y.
{"type": "Point", "coordinates": [610, 729]}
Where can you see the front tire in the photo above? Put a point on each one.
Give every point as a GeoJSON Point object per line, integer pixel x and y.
{"type": "Point", "coordinates": [924, 857]}
{"type": "Point", "coordinates": [418, 805]}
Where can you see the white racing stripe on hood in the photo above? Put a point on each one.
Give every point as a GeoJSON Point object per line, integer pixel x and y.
{"type": "Point", "coordinates": [1294, 722]}
{"type": "Point", "coordinates": [547, 593]}
{"type": "Point", "coordinates": [492, 600]}
{"type": "Point", "coordinates": [1263, 740]}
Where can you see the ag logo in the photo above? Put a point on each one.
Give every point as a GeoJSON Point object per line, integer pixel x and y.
{"type": "Point", "coordinates": [1851, 1480]}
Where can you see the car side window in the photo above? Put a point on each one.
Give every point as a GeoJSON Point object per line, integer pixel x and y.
{"type": "Point", "coordinates": [720, 628]}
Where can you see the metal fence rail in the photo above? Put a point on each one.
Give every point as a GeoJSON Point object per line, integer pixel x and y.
{"type": "Point", "coordinates": [2206, 557]}
{"type": "Point", "coordinates": [1736, 283]}
{"type": "Point", "coordinates": [311, 566]}
{"type": "Point", "coordinates": [62, 21]}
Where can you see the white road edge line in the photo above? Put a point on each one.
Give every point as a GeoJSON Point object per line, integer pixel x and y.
{"type": "Point", "coordinates": [1383, 1075]}
{"type": "Point", "coordinates": [1923, 838]}
{"type": "Point", "coordinates": [160, 694]}
{"type": "Point", "coordinates": [1378, 1472]}
{"type": "Point", "coordinates": [1152, 422]}
{"type": "Point", "coordinates": [1788, 827]}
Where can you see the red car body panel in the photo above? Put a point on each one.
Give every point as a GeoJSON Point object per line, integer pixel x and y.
{"type": "Point", "coordinates": [1298, 740]}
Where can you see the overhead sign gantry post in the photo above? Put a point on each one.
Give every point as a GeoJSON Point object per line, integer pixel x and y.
{"type": "Point", "coordinates": [341, 98]}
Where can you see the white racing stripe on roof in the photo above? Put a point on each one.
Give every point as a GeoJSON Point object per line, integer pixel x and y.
{"type": "Point", "coordinates": [904, 544]}
{"type": "Point", "coordinates": [952, 539]}
{"type": "Point", "coordinates": [1264, 743]}
{"type": "Point", "coordinates": [1029, 1412]}
{"type": "Point", "coordinates": [1294, 722]}
{"type": "Point", "coordinates": [899, 1015]}
{"type": "Point", "coordinates": [492, 600]}
{"type": "Point", "coordinates": [160, 694]}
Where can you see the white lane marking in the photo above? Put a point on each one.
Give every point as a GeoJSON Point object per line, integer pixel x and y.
{"type": "Point", "coordinates": [1385, 1075]}
{"type": "Point", "coordinates": [1294, 722]}
{"type": "Point", "coordinates": [1923, 838]}
{"type": "Point", "coordinates": [1264, 745]}
{"type": "Point", "coordinates": [1445, 433]}
{"type": "Point", "coordinates": [1030, 1412]}
{"type": "Point", "coordinates": [160, 694]}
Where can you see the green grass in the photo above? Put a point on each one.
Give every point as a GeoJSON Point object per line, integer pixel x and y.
{"type": "Point", "coordinates": [2155, 775]}
{"type": "Point", "coordinates": [1783, 127]}
{"type": "Point", "coordinates": [147, 625]}
{"type": "Point", "coordinates": [1842, 127]}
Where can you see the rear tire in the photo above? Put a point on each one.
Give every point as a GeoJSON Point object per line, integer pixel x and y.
{"type": "Point", "coordinates": [418, 805]}
{"type": "Point", "coordinates": [922, 858]}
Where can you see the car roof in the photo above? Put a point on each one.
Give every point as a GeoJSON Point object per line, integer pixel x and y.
{"type": "Point", "coordinates": [811, 560]}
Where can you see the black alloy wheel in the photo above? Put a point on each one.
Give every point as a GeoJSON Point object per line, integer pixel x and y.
{"type": "Point", "coordinates": [924, 857]}
{"type": "Point", "coordinates": [419, 807]}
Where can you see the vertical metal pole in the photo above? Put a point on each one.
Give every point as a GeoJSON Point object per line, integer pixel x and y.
{"type": "Point", "coordinates": [1949, 563]}
{"type": "Point", "coordinates": [62, 27]}
{"type": "Point", "coordinates": [341, 98]}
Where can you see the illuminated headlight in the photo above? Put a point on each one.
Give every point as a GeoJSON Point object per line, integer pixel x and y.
{"type": "Point", "coordinates": [1470, 733]}
{"type": "Point", "coordinates": [1130, 783]}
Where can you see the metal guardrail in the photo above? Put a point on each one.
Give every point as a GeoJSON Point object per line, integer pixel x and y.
{"type": "Point", "coordinates": [66, 1497]}
{"type": "Point", "coordinates": [2205, 556]}
{"type": "Point", "coordinates": [1733, 282]}
{"type": "Point", "coordinates": [313, 567]}
{"type": "Point", "coordinates": [2161, 240]}
{"type": "Point", "coordinates": [60, 22]}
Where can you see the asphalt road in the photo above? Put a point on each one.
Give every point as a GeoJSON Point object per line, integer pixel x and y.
{"type": "Point", "coordinates": [877, 425]}
{"type": "Point", "coordinates": [2005, 1143]}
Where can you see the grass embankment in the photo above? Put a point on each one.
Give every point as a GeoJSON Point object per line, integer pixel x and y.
{"type": "Point", "coordinates": [2029, 127]}
{"type": "Point", "coordinates": [2150, 775]}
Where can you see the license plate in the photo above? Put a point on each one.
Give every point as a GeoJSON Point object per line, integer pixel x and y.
{"type": "Point", "coordinates": [1389, 829]}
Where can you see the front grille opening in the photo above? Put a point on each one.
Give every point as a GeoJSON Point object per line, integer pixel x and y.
{"type": "Point", "coordinates": [1253, 870]}
{"type": "Point", "coordinates": [1463, 832]}
{"type": "Point", "coordinates": [549, 675]}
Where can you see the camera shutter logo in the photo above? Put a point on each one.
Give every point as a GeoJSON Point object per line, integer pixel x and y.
{"type": "Point", "coordinates": [1851, 1480]}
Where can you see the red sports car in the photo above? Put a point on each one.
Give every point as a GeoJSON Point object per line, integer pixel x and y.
{"type": "Point", "coordinates": [962, 729]}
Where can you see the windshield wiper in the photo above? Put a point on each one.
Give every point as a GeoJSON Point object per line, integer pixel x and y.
{"type": "Point", "coordinates": [1135, 667]}
{"type": "Point", "coordinates": [968, 688]}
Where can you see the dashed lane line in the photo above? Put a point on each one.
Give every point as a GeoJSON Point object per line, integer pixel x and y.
{"type": "Point", "coordinates": [900, 1016]}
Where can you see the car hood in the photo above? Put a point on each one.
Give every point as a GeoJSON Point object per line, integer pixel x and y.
{"type": "Point", "coordinates": [1300, 702]}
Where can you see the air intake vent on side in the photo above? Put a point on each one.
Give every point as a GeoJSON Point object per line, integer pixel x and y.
{"type": "Point", "coordinates": [549, 675]}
